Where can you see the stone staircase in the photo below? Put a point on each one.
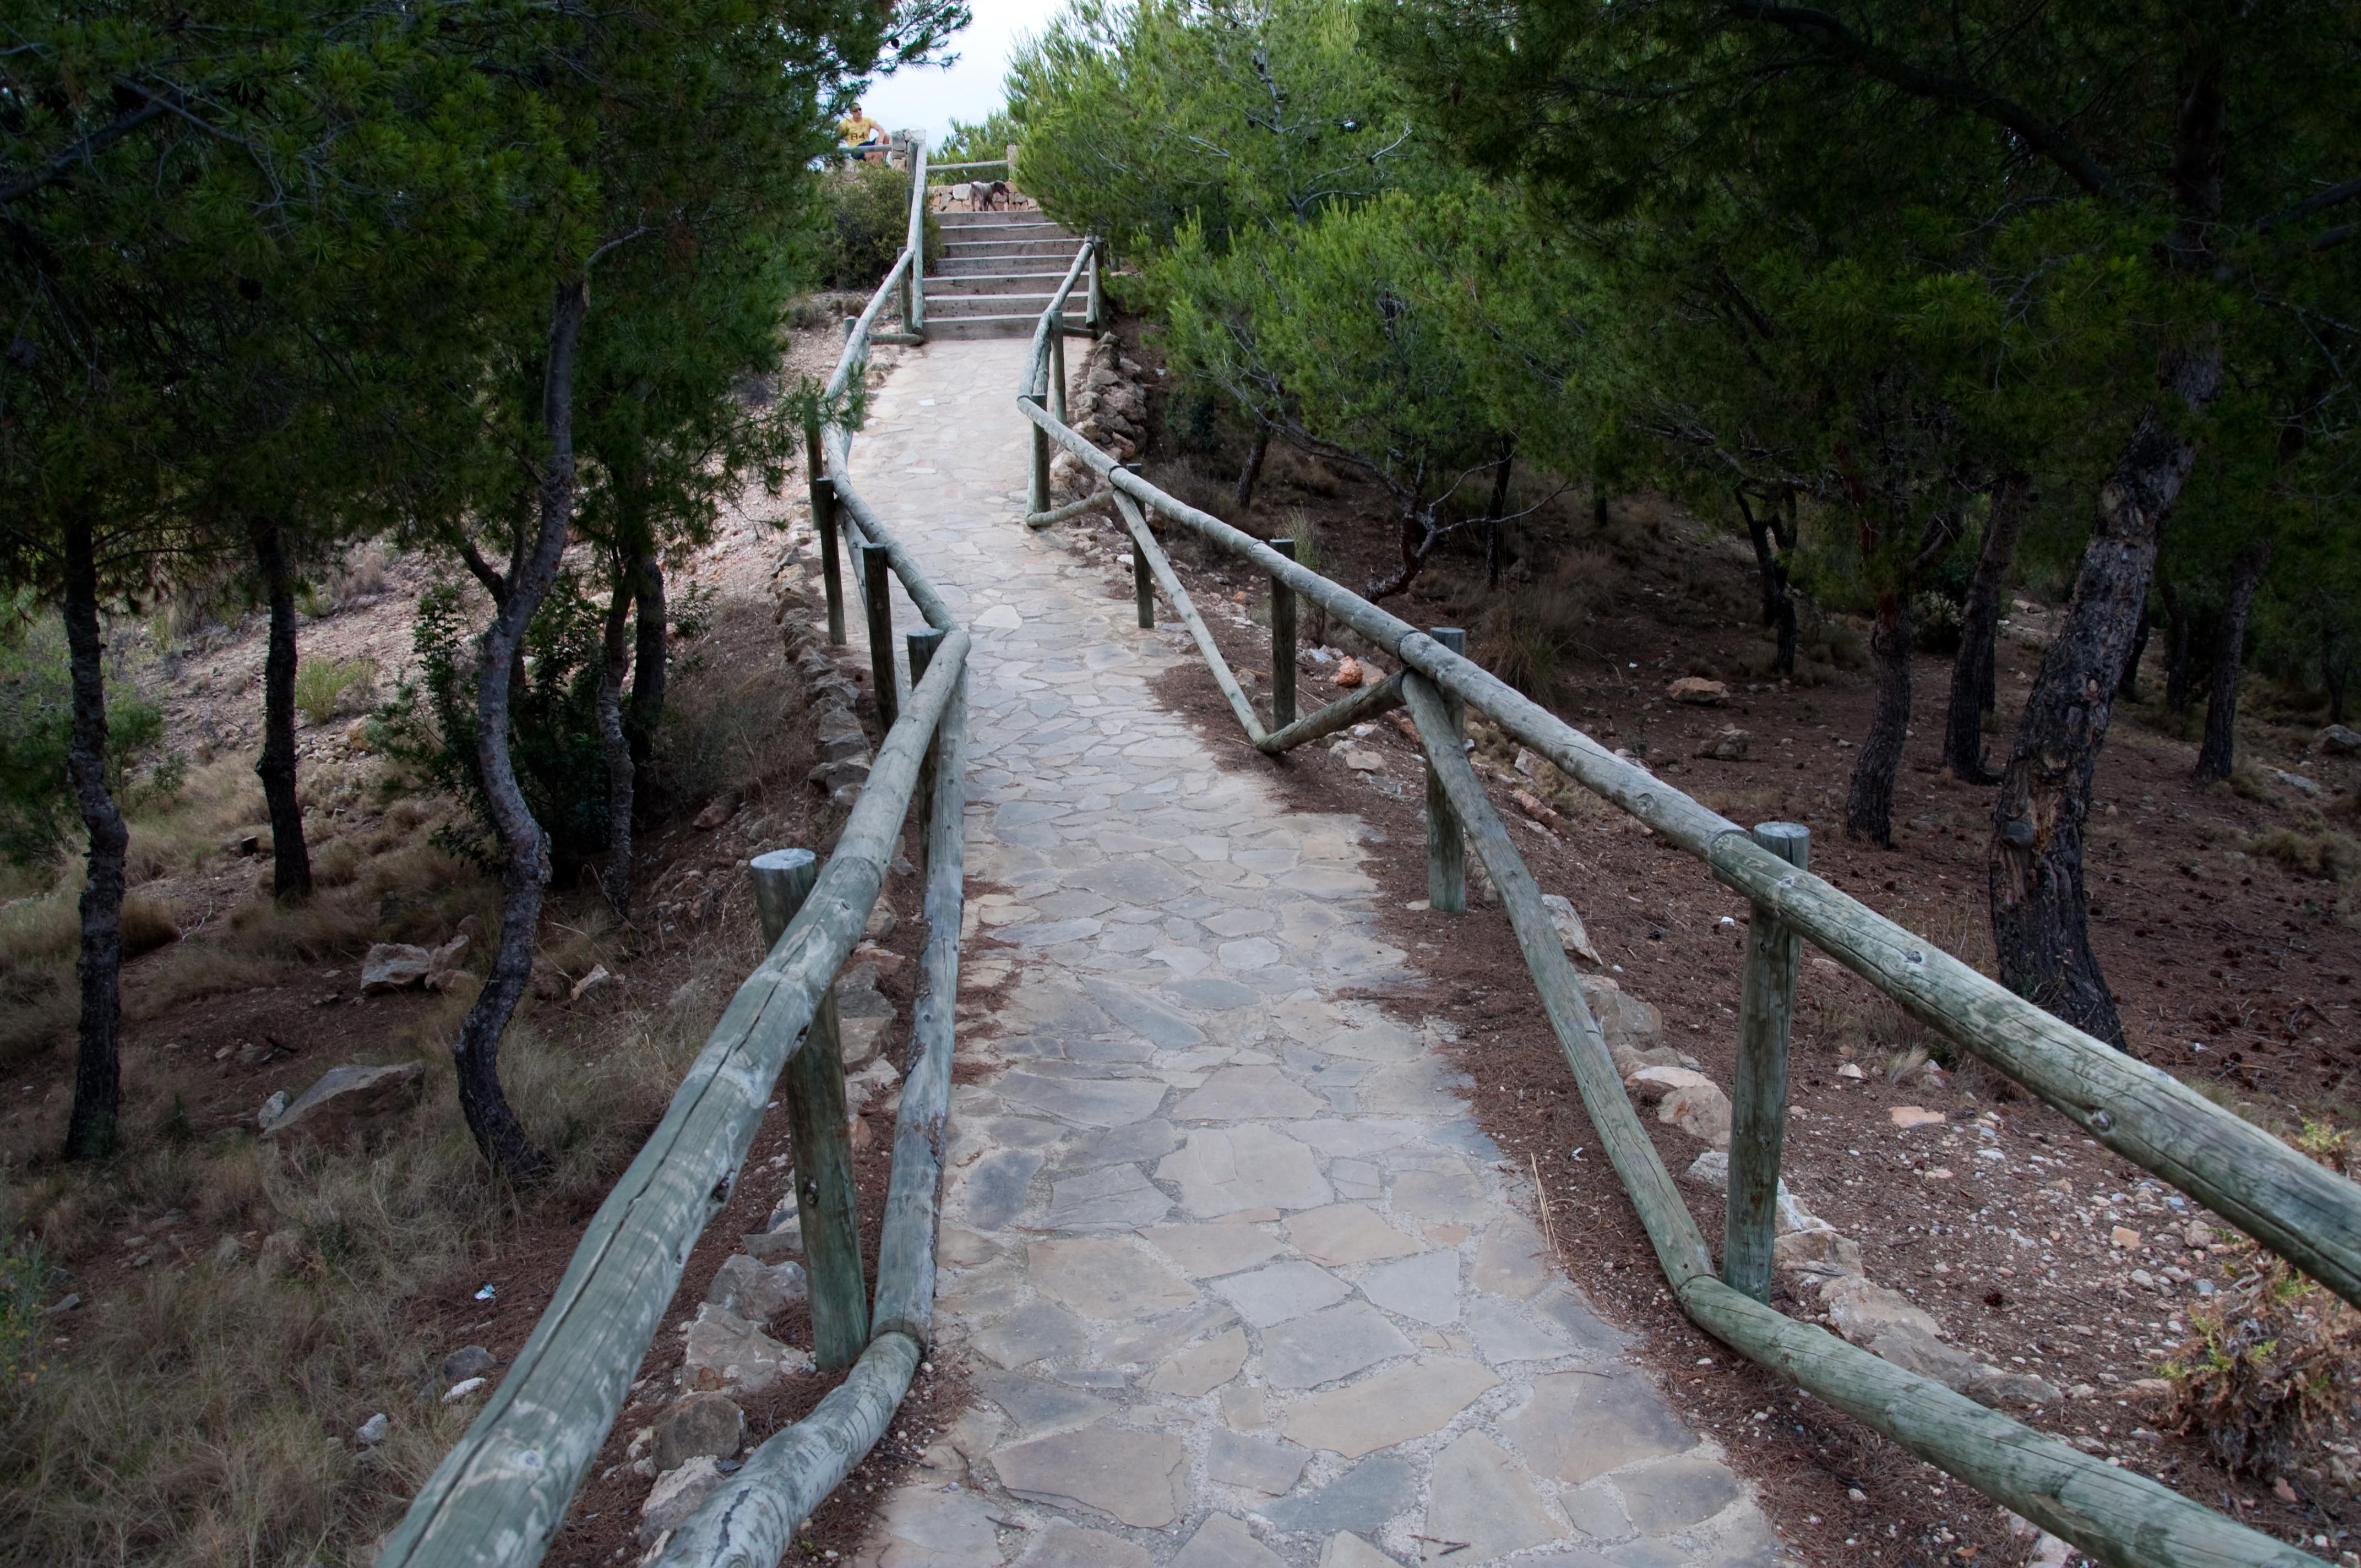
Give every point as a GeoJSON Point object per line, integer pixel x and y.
{"type": "Point", "coordinates": [997, 273]}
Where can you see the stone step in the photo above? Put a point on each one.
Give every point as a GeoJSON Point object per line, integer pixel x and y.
{"type": "Point", "coordinates": [1009, 249]}
{"type": "Point", "coordinates": [942, 284]}
{"type": "Point", "coordinates": [945, 306]}
{"type": "Point", "coordinates": [996, 265]}
{"type": "Point", "coordinates": [955, 328]}
{"type": "Point", "coordinates": [1001, 217]}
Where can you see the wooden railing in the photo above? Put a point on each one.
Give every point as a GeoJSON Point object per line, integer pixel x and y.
{"type": "Point", "coordinates": [500, 1494]}
{"type": "Point", "coordinates": [2289, 1203]}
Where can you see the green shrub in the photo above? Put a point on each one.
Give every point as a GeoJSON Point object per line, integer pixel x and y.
{"type": "Point", "coordinates": [37, 806]}
{"type": "Point", "coordinates": [868, 216]}
{"type": "Point", "coordinates": [327, 688]}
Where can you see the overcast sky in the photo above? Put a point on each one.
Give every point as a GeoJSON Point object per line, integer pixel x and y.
{"type": "Point", "coordinates": [930, 98]}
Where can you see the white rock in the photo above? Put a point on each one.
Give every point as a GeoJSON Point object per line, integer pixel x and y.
{"type": "Point", "coordinates": [755, 1291]}
{"type": "Point", "coordinates": [1570, 933]}
{"type": "Point", "coordinates": [465, 1388]}
{"type": "Point", "coordinates": [272, 1109]}
{"type": "Point", "coordinates": [1652, 1083]}
{"type": "Point", "coordinates": [726, 1352]}
{"type": "Point", "coordinates": [371, 1432]}
{"type": "Point", "coordinates": [394, 966]}
{"type": "Point", "coordinates": [676, 1495]}
{"type": "Point", "coordinates": [598, 976]}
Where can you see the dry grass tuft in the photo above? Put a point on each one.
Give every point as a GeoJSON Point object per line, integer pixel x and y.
{"type": "Point", "coordinates": [147, 924]}
{"type": "Point", "coordinates": [2271, 1381]}
{"type": "Point", "coordinates": [2328, 855]}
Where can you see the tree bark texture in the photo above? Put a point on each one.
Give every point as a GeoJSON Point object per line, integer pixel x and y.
{"type": "Point", "coordinates": [2040, 919]}
{"type": "Point", "coordinates": [2128, 687]}
{"type": "Point", "coordinates": [1242, 499]}
{"type": "Point", "coordinates": [1972, 670]}
{"type": "Point", "coordinates": [1869, 804]}
{"type": "Point", "coordinates": [616, 880]}
{"type": "Point", "coordinates": [524, 870]}
{"type": "Point", "coordinates": [1771, 543]}
{"type": "Point", "coordinates": [2219, 749]}
{"type": "Point", "coordinates": [98, 1074]}
{"type": "Point", "coordinates": [1495, 547]}
{"type": "Point", "coordinates": [291, 859]}
{"type": "Point", "coordinates": [648, 660]}
{"type": "Point", "coordinates": [2176, 653]}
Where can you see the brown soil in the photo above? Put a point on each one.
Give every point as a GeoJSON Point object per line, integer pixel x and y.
{"type": "Point", "coordinates": [2000, 1220]}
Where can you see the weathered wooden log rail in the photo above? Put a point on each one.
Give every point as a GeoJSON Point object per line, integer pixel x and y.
{"type": "Point", "coordinates": [500, 1494]}
{"type": "Point", "coordinates": [2289, 1203]}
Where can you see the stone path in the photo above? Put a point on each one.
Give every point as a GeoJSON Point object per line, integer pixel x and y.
{"type": "Point", "coordinates": [1236, 1279]}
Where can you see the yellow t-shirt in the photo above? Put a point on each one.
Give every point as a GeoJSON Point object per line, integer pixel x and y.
{"type": "Point", "coordinates": [858, 129]}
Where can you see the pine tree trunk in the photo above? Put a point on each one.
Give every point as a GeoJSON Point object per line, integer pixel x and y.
{"type": "Point", "coordinates": [1242, 499]}
{"type": "Point", "coordinates": [2220, 747]}
{"type": "Point", "coordinates": [524, 870]}
{"type": "Point", "coordinates": [1492, 514]}
{"type": "Point", "coordinates": [291, 868]}
{"type": "Point", "coordinates": [1869, 804]}
{"type": "Point", "coordinates": [616, 881]}
{"type": "Point", "coordinates": [648, 656]}
{"type": "Point", "coordinates": [2040, 918]}
{"type": "Point", "coordinates": [98, 1075]}
{"type": "Point", "coordinates": [1974, 670]}
{"type": "Point", "coordinates": [2176, 657]}
{"type": "Point", "coordinates": [1778, 599]}
{"type": "Point", "coordinates": [2128, 687]}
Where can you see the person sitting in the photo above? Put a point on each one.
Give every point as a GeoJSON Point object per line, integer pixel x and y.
{"type": "Point", "coordinates": [861, 134]}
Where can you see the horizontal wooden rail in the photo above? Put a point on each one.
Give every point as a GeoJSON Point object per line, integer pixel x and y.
{"type": "Point", "coordinates": [1377, 697]}
{"type": "Point", "coordinates": [499, 1493]}
{"type": "Point", "coordinates": [2298, 1208]}
{"type": "Point", "coordinates": [1144, 543]}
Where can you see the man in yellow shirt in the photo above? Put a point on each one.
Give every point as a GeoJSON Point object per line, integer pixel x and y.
{"type": "Point", "coordinates": [858, 130]}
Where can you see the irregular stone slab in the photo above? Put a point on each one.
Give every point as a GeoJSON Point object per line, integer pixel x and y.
{"type": "Point", "coordinates": [1481, 1495]}
{"type": "Point", "coordinates": [1676, 1493]}
{"type": "Point", "coordinates": [1345, 1233]}
{"type": "Point", "coordinates": [923, 1527]}
{"type": "Point", "coordinates": [1161, 1338]}
{"type": "Point", "coordinates": [1387, 1408]}
{"type": "Point", "coordinates": [754, 1292]}
{"type": "Point", "coordinates": [1502, 1336]}
{"type": "Point", "coordinates": [993, 1190]}
{"type": "Point", "coordinates": [693, 1425]}
{"type": "Point", "coordinates": [1151, 1139]}
{"type": "Point", "coordinates": [1089, 1101]}
{"type": "Point", "coordinates": [1113, 1197]}
{"type": "Point", "coordinates": [1037, 1406]}
{"type": "Point", "coordinates": [1201, 1369]}
{"type": "Point", "coordinates": [1212, 993]}
{"type": "Point", "coordinates": [1144, 1016]}
{"type": "Point", "coordinates": [1225, 1170]}
{"type": "Point", "coordinates": [1351, 1551]}
{"type": "Point", "coordinates": [1281, 1292]}
{"type": "Point", "coordinates": [1226, 1542]}
{"type": "Point", "coordinates": [1448, 1191]}
{"type": "Point", "coordinates": [1307, 1352]}
{"type": "Point", "coordinates": [1591, 1337]}
{"type": "Point", "coordinates": [1425, 1286]}
{"type": "Point", "coordinates": [726, 1352]}
{"type": "Point", "coordinates": [1203, 1250]}
{"type": "Point", "coordinates": [1510, 1259]}
{"type": "Point", "coordinates": [1336, 1136]}
{"type": "Point", "coordinates": [1595, 1511]}
{"type": "Point", "coordinates": [675, 1496]}
{"type": "Point", "coordinates": [1246, 1094]}
{"type": "Point", "coordinates": [1134, 1477]}
{"type": "Point", "coordinates": [1064, 1544]}
{"type": "Point", "coordinates": [1362, 1499]}
{"type": "Point", "coordinates": [1577, 1426]}
{"type": "Point", "coordinates": [1029, 1334]}
{"type": "Point", "coordinates": [1258, 1466]}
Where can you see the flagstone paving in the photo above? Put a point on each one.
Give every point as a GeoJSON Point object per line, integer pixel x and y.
{"type": "Point", "coordinates": [1236, 1278]}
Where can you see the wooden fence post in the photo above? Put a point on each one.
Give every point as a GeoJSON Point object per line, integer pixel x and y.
{"type": "Point", "coordinates": [1058, 369]}
{"type": "Point", "coordinates": [922, 646]}
{"type": "Point", "coordinates": [1142, 581]}
{"type": "Point", "coordinates": [813, 1088]}
{"type": "Point", "coordinates": [1446, 835]}
{"type": "Point", "coordinates": [823, 510]}
{"type": "Point", "coordinates": [1758, 1130]}
{"type": "Point", "coordinates": [1038, 491]}
{"type": "Point", "coordinates": [875, 587]}
{"type": "Point", "coordinates": [1096, 319]}
{"type": "Point", "coordinates": [1282, 645]}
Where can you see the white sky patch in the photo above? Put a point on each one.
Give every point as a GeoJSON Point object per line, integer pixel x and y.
{"type": "Point", "coordinates": [928, 98]}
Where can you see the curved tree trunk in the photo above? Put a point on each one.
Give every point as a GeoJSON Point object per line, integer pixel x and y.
{"type": "Point", "coordinates": [616, 881]}
{"type": "Point", "coordinates": [524, 869]}
{"type": "Point", "coordinates": [2176, 653]}
{"type": "Point", "coordinates": [1869, 804]}
{"type": "Point", "coordinates": [291, 868]}
{"type": "Point", "coordinates": [1242, 499]}
{"type": "Point", "coordinates": [2220, 747]}
{"type": "Point", "coordinates": [98, 1077]}
{"type": "Point", "coordinates": [1770, 543]}
{"type": "Point", "coordinates": [2040, 919]}
{"type": "Point", "coordinates": [1973, 669]}
{"type": "Point", "coordinates": [648, 655]}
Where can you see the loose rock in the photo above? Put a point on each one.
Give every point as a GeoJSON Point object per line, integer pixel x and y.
{"type": "Point", "coordinates": [463, 1391]}
{"type": "Point", "coordinates": [1570, 933]}
{"type": "Point", "coordinates": [349, 1099]}
{"type": "Point", "coordinates": [695, 1425]}
{"type": "Point", "coordinates": [725, 1350]}
{"type": "Point", "coordinates": [597, 977]}
{"type": "Point", "coordinates": [676, 1495]}
{"type": "Point", "coordinates": [466, 1361]}
{"type": "Point", "coordinates": [1348, 673]}
{"type": "Point", "coordinates": [1702, 1111]}
{"type": "Point", "coordinates": [272, 1109]}
{"type": "Point", "coordinates": [756, 1291]}
{"type": "Point", "coordinates": [1697, 690]}
{"type": "Point", "coordinates": [394, 966]}
{"type": "Point", "coordinates": [1729, 745]}
{"type": "Point", "coordinates": [2336, 740]}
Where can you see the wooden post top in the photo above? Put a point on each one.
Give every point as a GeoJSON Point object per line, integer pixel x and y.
{"type": "Point", "coordinates": [1791, 841]}
{"type": "Point", "coordinates": [783, 880]}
